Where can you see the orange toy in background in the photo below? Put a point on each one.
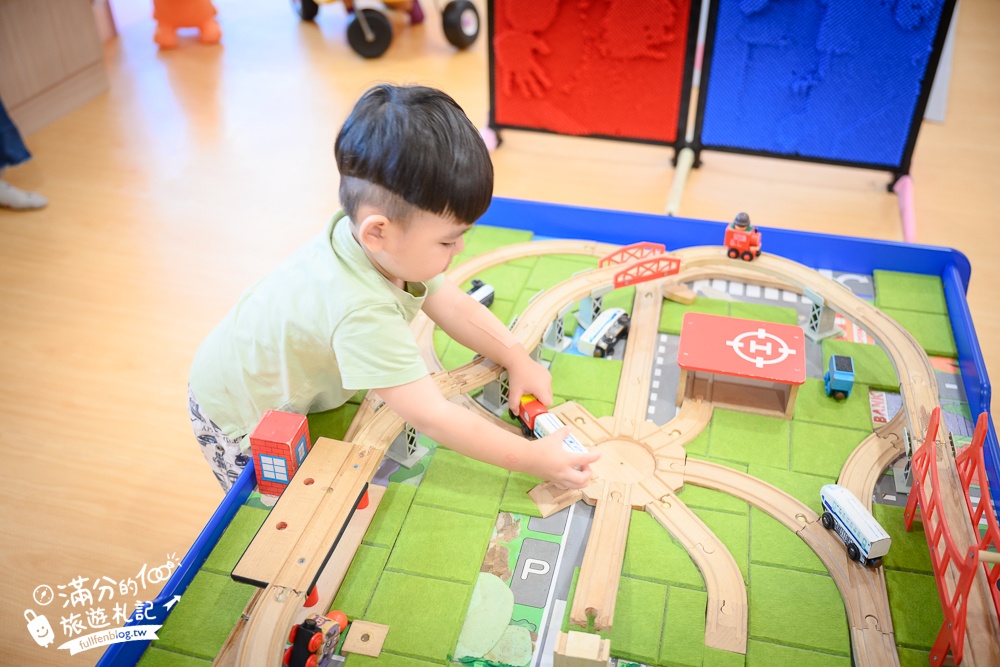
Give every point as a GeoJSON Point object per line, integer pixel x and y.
{"type": "Point", "coordinates": [171, 15]}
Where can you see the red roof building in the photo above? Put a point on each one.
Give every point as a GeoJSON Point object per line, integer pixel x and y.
{"type": "Point", "coordinates": [741, 364]}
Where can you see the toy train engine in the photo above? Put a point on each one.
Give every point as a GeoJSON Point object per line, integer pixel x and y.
{"type": "Point", "coordinates": [866, 540]}
{"type": "Point", "coordinates": [839, 380]}
{"type": "Point", "coordinates": [481, 292]}
{"type": "Point", "coordinates": [598, 340]}
{"type": "Point", "coordinates": [742, 239]}
{"type": "Point", "coordinates": [314, 641]}
{"type": "Point", "coordinates": [539, 422]}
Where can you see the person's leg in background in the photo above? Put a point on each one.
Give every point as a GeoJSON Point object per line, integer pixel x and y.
{"type": "Point", "coordinates": [14, 152]}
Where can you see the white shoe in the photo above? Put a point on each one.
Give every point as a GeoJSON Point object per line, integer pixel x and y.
{"type": "Point", "coordinates": [18, 199]}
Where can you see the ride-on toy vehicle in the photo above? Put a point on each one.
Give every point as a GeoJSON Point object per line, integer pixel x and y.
{"type": "Point", "coordinates": [370, 31]}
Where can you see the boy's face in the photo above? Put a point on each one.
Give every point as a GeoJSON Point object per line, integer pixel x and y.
{"type": "Point", "coordinates": [416, 253]}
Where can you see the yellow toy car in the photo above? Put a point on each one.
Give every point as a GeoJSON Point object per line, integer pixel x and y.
{"type": "Point", "coordinates": [370, 32]}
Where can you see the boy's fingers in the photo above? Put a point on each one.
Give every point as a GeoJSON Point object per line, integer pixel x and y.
{"type": "Point", "coordinates": [514, 401]}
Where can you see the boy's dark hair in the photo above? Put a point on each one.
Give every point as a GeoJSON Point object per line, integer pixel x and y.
{"type": "Point", "coordinates": [415, 143]}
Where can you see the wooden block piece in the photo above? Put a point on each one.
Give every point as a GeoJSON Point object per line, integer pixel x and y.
{"type": "Point", "coordinates": [365, 638]}
{"type": "Point", "coordinates": [678, 292]}
{"type": "Point", "coordinates": [579, 649]}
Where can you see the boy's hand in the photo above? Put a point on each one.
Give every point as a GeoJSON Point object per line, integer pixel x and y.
{"type": "Point", "coordinates": [554, 463]}
{"type": "Point", "coordinates": [526, 376]}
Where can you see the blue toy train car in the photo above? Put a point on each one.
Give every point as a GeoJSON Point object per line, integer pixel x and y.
{"type": "Point", "coordinates": [839, 380]}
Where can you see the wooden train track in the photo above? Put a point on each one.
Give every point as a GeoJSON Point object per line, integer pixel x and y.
{"type": "Point", "coordinates": [658, 453]}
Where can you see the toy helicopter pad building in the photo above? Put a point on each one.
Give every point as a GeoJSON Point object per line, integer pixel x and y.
{"type": "Point", "coordinates": [741, 364]}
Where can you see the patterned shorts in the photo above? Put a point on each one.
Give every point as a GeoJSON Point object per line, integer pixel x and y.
{"type": "Point", "coordinates": [224, 454]}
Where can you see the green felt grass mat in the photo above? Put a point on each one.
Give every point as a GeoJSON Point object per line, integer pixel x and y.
{"type": "Point", "coordinates": [458, 483]}
{"type": "Point", "coordinates": [205, 615]}
{"type": "Point", "coordinates": [932, 331]}
{"type": "Point", "coordinates": [441, 544]}
{"type": "Point", "coordinates": [872, 366]}
{"type": "Point", "coordinates": [813, 405]}
{"type": "Point", "coordinates": [154, 657]}
{"type": "Point", "coordinates": [909, 291]}
{"type": "Point", "coordinates": [234, 540]}
{"type": "Point", "coordinates": [390, 515]}
{"type": "Point", "coordinates": [744, 437]}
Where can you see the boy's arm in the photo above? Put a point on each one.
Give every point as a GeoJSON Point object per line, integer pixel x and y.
{"type": "Point", "coordinates": [421, 404]}
{"type": "Point", "coordinates": [474, 326]}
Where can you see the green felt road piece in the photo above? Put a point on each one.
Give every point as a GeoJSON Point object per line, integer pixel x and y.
{"type": "Point", "coordinates": [569, 600]}
{"type": "Point", "coordinates": [771, 543]}
{"type": "Point", "coordinates": [872, 365]}
{"type": "Point", "coordinates": [333, 423]}
{"type": "Point", "coordinates": [818, 449]}
{"type": "Point", "coordinates": [386, 659]}
{"type": "Point", "coordinates": [585, 377]}
{"type": "Point", "coordinates": [801, 486]}
{"type": "Point", "coordinates": [390, 515]}
{"type": "Point", "coordinates": [205, 615]}
{"type": "Point", "coordinates": [699, 497]}
{"type": "Point", "coordinates": [813, 405]}
{"type": "Point", "coordinates": [733, 531]}
{"type": "Point", "coordinates": [653, 555]}
{"type": "Point", "coordinates": [361, 579]}
{"type": "Point", "coordinates": [639, 620]}
{"type": "Point", "coordinates": [745, 437]}
{"type": "Point", "coordinates": [797, 609]}
{"type": "Point", "coordinates": [909, 550]}
{"type": "Point", "coordinates": [515, 495]}
{"type": "Point", "coordinates": [932, 331]}
{"type": "Point", "coordinates": [154, 657]}
{"type": "Point", "coordinates": [763, 313]}
{"type": "Point", "coordinates": [683, 641]}
{"type": "Point", "coordinates": [916, 609]}
{"type": "Point", "coordinates": [443, 544]}
{"type": "Point", "coordinates": [508, 280]}
{"type": "Point", "coordinates": [673, 313]}
{"type": "Point", "coordinates": [425, 615]}
{"type": "Point", "coordinates": [458, 483]}
{"type": "Point", "coordinates": [487, 618]}
{"type": "Point", "coordinates": [234, 541]}
{"type": "Point", "coordinates": [909, 291]}
{"type": "Point", "coordinates": [513, 649]}
{"type": "Point", "coordinates": [766, 654]}
{"type": "Point", "coordinates": [911, 657]}
{"type": "Point", "coordinates": [594, 406]}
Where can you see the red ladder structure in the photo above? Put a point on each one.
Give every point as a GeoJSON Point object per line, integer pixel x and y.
{"type": "Point", "coordinates": [971, 466]}
{"type": "Point", "coordinates": [946, 559]}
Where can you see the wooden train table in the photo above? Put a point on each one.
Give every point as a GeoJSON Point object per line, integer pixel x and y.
{"type": "Point", "coordinates": [697, 543]}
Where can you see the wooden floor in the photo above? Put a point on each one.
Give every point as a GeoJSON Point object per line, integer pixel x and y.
{"type": "Point", "coordinates": [205, 166]}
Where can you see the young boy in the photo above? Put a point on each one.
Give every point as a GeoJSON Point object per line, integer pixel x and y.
{"type": "Point", "coordinates": [333, 318]}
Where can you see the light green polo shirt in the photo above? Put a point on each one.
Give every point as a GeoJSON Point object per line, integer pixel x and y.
{"type": "Point", "coordinates": [307, 337]}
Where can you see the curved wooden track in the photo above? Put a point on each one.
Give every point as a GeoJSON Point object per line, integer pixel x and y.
{"type": "Point", "coordinates": [642, 465]}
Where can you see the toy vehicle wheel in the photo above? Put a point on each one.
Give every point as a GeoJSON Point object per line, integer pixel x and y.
{"type": "Point", "coordinates": [827, 520]}
{"type": "Point", "coordinates": [306, 9]}
{"type": "Point", "coordinates": [461, 23]}
{"type": "Point", "coordinates": [747, 256]}
{"type": "Point", "coordinates": [839, 395]}
{"type": "Point", "coordinates": [875, 562]}
{"type": "Point", "coordinates": [598, 352]}
{"type": "Point", "coordinates": [381, 35]}
{"type": "Point", "coordinates": [852, 552]}
{"type": "Point", "coordinates": [733, 253]}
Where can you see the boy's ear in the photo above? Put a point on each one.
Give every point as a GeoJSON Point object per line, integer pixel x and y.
{"type": "Point", "coordinates": [373, 230]}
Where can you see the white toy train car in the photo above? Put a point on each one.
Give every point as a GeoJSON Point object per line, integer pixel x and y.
{"type": "Point", "coordinates": [547, 424]}
{"type": "Point", "coordinates": [598, 340]}
{"type": "Point", "coordinates": [866, 540]}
